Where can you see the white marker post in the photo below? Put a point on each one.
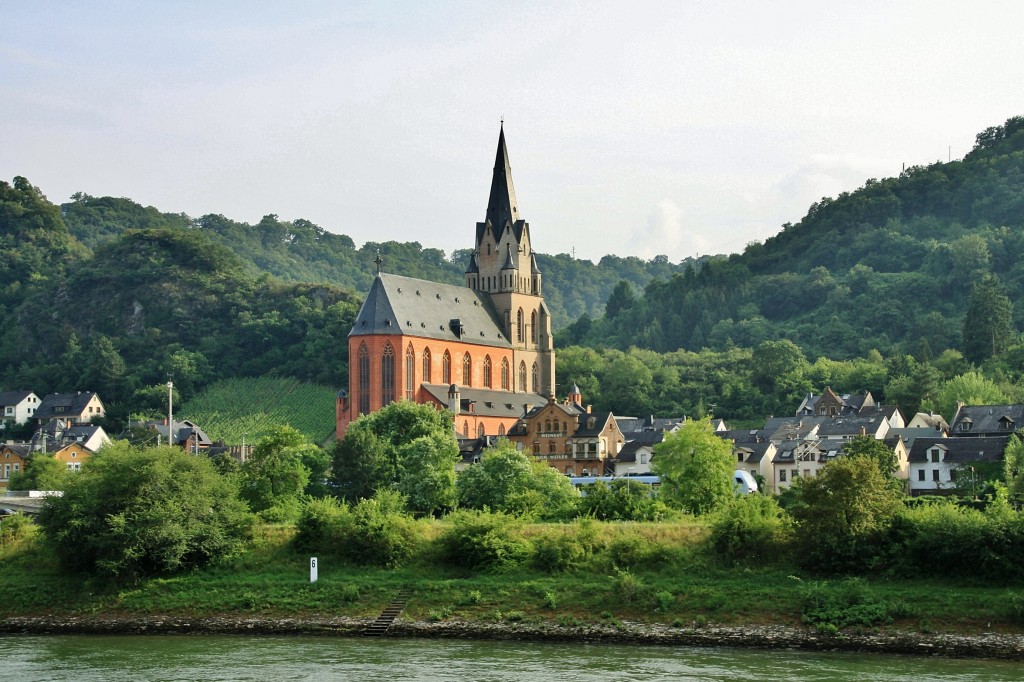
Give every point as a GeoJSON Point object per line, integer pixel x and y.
{"type": "Point", "coordinates": [312, 569]}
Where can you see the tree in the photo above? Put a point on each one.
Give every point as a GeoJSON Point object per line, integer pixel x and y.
{"type": "Point", "coordinates": [988, 323]}
{"type": "Point", "coordinates": [428, 476]}
{"type": "Point", "coordinates": [508, 481]}
{"type": "Point", "coordinates": [370, 457]}
{"type": "Point", "coordinates": [42, 472]}
{"type": "Point", "coordinates": [132, 513]}
{"type": "Point", "coordinates": [772, 360]}
{"type": "Point", "coordinates": [1014, 465]}
{"type": "Point", "coordinates": [970, 388]}
{"type": "Point", "coordinates": [274, 475]}
{"type": "Point", "coordinates": [620, 500]}
{"type": "Point", "coordinates": [622, 298]}
{"type": "Point", "coordinates": [696, 467]}
{"type": "Point", "coordinates": [872, 448]}
{"type": "Point", "coordinates": [843, 514]}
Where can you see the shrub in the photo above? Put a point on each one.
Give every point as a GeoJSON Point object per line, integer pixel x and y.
{"type": "Point", "coordinates": [14, 528]}
{"type": "Point", "coordinates": [132, 513]}
{"type": "Point", "coordinates": [483, 541]}
{"type": "Point", "coordinates": [749, 528]}
{"type": "Point", "coordinates": [626, 585]}
{"type": "Point", "coordinates": [832, 606]}
{"type": "Point", "coordinates": [380, 532]}
{"type": "Point", "coordinates": [634, 551]}
{"type": "Point", "coordinates": [321, 525]}
{"type": "Point", "coordinates": [565, 551]}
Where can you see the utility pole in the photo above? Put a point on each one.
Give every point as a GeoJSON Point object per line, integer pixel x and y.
{"type": "Point", "coordinates": [170, 410]}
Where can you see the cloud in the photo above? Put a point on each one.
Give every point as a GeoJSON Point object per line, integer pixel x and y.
{"type": "Point", "coordinates": [666, 234]}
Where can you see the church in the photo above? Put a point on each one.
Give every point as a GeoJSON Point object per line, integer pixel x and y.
{"type": "Point", "coordinates": [483, 350]}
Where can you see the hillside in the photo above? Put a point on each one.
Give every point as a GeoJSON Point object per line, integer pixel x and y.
{"type": "Point", "coordinates": [889, 266]}
{"type": "Point", "coordinates": [300, 251]}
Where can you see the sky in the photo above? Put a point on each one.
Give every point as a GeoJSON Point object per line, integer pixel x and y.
{"type": "Point", "coordinates": [634, 128]}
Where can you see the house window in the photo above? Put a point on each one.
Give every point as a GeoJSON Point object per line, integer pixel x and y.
{"type": "Point", "coordinates": [551, 447]}
{"type": "Point", "coordinates": [535, 379]}
{"type": "Point", "coordinates": [522, 377]}
{"type": "Point", "coordinates": [519, 326]}
{"type": "Point", "coordinates": [935, 455]}
{"type": "Point", "coordinates": [364, 380]}
{"type": "Point", "coordinates": [426, 365]}
{"type": "Point", "coordinates": [467, 370]}
{"type": "Point", "coordinates": [487, 371]}
{"type": "Point", "coordinates": [739, 456]}
{"type": "Point", "coordinates": [782, 475]}
{"type": "Point", "coordinates": [9, 410]}
{"type": "Point", "coordinates": [935, 475]}
{"type": "Point", "coordinates": [446, 368]}
{"type": "Point", "coordinates": [410, 371]}
{"type": "Point", "coordinates": [501, 429]}
{"type": "Point", "coordinates": [643, 458]}
{"type": "Point", "coordinates": [504, 374]}
{"type": "Point", "coordinates": [480, 431]}
{"type": "Point", "coordinates": [920, 474]}
{"type": "Point", "coordinates": [387, 375]}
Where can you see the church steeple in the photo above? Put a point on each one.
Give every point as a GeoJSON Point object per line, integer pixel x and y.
{"type": "Point", "coordinates": [502, 207]}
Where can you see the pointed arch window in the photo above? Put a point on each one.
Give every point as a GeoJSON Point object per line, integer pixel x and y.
{"type": "Point", "coordinates": [465, 428]}
{"type": "Point", "coordinates": [387, 375]}
{"type": "Point", "coordinates": [467, 370]}
{"type": "Point", "coordinates": [501, 429]}
{"type": "Point", "coordinates": [480, 433]}
{"type": "Point", "coordinates": [519, 325]}
{"type": "Point", "coordinates": [410, 371]}
{"type": "Point", "coordinates": [535, 379]}
{"type": "Point", "coordinates": [364, 380]}
{"type": "Point", "coordinates": [522, 377]}
{"type": "Point", "coordinates": [426, 366]}
{"type": "Point", "coordinates": [533, 327]}
{"type": "Point", "coordinates": [446, 368]}
{"type": "Point", "coordinates": [487, 371]}
{"type": "Point", "coordinates": [504, 374]}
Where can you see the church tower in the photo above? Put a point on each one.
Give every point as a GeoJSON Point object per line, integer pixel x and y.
{"type": "Point", "coordinates": [504, 266]}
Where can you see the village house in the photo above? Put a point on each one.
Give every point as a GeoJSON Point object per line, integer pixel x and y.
{"type": "Point", "coordinates": [77, 408]}
{"type": "Point", "coordinates": [571, 438]}
{"type": "Point", "coordinates": [183, 434]}
{"type": "Point", "coordinates": [977, 421]}
{"type": "Point", "coordinates": [943, 466]}
{"type": "Point", "coordinates": [17, 407]}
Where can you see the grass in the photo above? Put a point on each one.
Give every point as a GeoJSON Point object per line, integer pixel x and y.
{"type": "Point", "coordinates": [682, 587]}
{"type": "Point", "coordinates": [250, 407]}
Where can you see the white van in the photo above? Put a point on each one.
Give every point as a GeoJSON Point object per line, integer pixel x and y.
{"type": "Point", "coordinates": [745, 483]}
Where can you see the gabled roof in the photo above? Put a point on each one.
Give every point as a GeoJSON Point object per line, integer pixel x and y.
{"type": "Point", "coordinates": [593, 424]}
{"type": "Point", "coordinates": [181, 431]}
{"type": "Point", "coordinates": [13, 397]}
{"type": "Point", "coordinates": [851, 424]}
{"type": "Point", "coordinates": [416, 307]}
{"type": "Point", "coordinates": [960, 450]}
{"type": "Point", "coordinates": [69, 404]}
{"type": "Point", "coordinates": [993, 419]}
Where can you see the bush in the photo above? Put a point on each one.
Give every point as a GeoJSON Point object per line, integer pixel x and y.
{"type": "Point", "coordinates": [564, 548]}
{"type": "Point", "coordinates": [132, 513]}
{"type": "Point", "coordinates": [832, 606]}
{"type": "Point", "coordinates": [634, 551]}
{"type": "Point", "coordinates": [484, 541]}
{"type": "Point", "coordinates": [380, 533]}
{"type": "Point", "coordinates": [321, 525]}
{"type": "Point", "coordinates": [750, 528]}
{"type": "Point", "coordinates": [15, 528]}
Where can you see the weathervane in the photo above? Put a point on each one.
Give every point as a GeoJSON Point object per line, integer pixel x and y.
{"type": "Point", "coordinates": [378, 261]}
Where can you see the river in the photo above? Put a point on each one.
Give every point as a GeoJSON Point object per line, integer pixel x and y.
{"type": "Point", "coordinates": [204, 657]}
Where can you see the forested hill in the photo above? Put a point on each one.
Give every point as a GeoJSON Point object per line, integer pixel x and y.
{"type": "Point", "coordinates": [890, 266]}
{"type": "Point", "coordinates": [300, 251]}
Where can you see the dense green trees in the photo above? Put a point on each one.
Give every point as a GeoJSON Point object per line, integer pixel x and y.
{"type": "Point", "coordinates": [132, 513]}
{"type": "Point", "coordinates": [278, 472]}
{"type": "Point", "coordinates": [988, 323]}
{"type": "Point", "coordinates": [696, 468]}
{"type": "Point", "coordinates": [42, 472]}
{"type": "Point", "coordinates": [509, 481]}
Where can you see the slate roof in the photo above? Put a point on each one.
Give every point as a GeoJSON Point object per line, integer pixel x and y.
{"type": "Point", "coordinates": [488, 402]}
{"type": "Point", "coordinates": [755, 452]}
{"type": "Point", "coordinates": [417, 307]}
{"type": "Point", "coordinates": [988, 419]}
{"type": "Point", "coordinates": [598, 419]}
{"type": "Point", "coordinates": [630, 425]}
{"type": "Point", "coordinates": [851, 424]}
{"type": "Point", "coordinates": [13, 397]}
{"type": "Point", "coordinates": [73, 404]}
{"type": "Point", "coordinates": [960, 450]}
{"type": "Point", "coordinates": [789, 428]}
{"type": "Point", "coordinates": [182, 431]}
{"type": "Point", "coordinates": [646, 439]}
{"type": "Point", "coordinates": [745, 436]}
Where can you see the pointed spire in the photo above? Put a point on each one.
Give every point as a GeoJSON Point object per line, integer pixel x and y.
{"type": "Point", "coordinates": [533, 264]}
{"type": "Point", "coordinates": [501, 205]}
{"type": "Point", "coordinates": [509, 263]}
{"type": "Point", "coordinates": [473, 267]}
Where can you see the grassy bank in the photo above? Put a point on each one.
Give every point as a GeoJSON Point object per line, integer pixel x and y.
{"type": "Point", "coordinates": [655, 573]}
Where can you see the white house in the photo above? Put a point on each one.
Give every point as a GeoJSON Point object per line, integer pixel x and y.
{"type": "Point", "coordinates": [17, 407]}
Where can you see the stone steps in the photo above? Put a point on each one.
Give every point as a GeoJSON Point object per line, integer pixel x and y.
{"type": "Point", "coordinates": [379, 626]}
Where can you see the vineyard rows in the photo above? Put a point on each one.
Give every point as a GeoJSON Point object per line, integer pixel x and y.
{"type": "Point", "coordinates": [249, 407]}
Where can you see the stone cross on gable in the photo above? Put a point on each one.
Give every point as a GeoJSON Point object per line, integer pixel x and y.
{"type": "Point", "coordinates": [378, 260]}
